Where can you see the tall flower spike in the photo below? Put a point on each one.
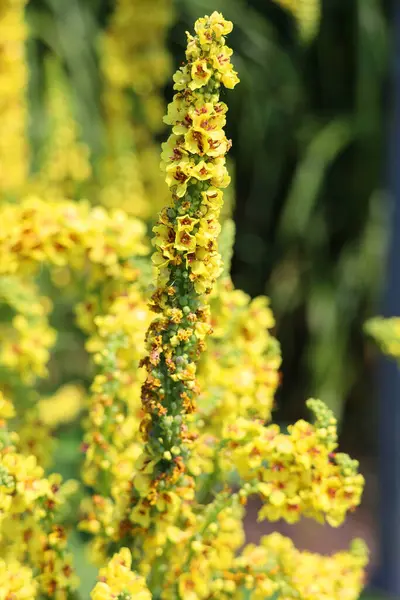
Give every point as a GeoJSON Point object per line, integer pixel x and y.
{"type": "Point", "coordinates": [13, 83]}
{"type": "Point", "coordinates": [186, 255]}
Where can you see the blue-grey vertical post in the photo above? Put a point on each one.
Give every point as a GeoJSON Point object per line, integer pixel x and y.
{"type": "Point", "coordinates": [389, 375]}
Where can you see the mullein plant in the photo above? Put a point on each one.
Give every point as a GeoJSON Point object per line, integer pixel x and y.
{"type": "Point", "coordinates": [171, 451]}
{"type": "Point", "coordinates": [181, 530]}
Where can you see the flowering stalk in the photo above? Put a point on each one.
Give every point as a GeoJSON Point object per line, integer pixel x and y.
{"type": "Point", "coordinates": [26, 341]}
{"type": "Point", "coordinates": [64, 159]}
{"type": "Point", "coordinates": [110, 445]}
{"type": "Point", "coordinates": [295, 474]}
{"type": "Point", "coordinates": [136, 66]}
{"type": "Point", "coordinates": [134, 58]}
{"type": "Point", "coordinates": [29, 530]}
{"type": "Point", "coordinates": [276, 569]}
{"type": "Point", "coordinates": [13, 83]}
{"type": "Point", "coordinates": [186, 253]}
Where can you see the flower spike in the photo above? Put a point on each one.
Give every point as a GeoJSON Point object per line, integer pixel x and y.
{"type": "Point", "coordinates": [186, 256]}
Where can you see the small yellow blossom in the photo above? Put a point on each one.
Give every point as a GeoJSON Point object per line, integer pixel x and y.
{"type": "Point", "coordinates": [118, 581]}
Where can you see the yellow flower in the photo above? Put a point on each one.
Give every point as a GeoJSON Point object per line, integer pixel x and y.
{"type": "Point", "coordinates": [7, 410]}
{"type": "Point", "coordinates": [172, 149]}
{"type": "Point", "coordinates": [221, 58]}
{"type": "Point", "coordinates": [141, 514]}
{"type": "Point", "coordinates": [62, 407]}
{"type": "Point", "coordinates": [117, 580]}
{"type": "Point", "coordinates": [178, 175]}
{"type": "Point", "coordinates": [202, 170]}
{"type": "Point", "coordinates": [201, 74]}
{"type": "Point", "coordinates": [230, 79]}
{"type": "Point", "coordinates": [181, 78]}
{"type": "Point", "coordinates": [208, 230]}
{"type": "Point", "coordinates": [215, 24]}
{"type": "Point", "coordinates": [16, 580]}
{"type": "Point", "coordinates": [184, 242]}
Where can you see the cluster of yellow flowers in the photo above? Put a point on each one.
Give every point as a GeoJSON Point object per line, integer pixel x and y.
{"type": "Point", "coordinates": [239, 373]}
{"type": "Point", "coordinates": [118, 581]}
{"type": "Point", "coordinates": [171, 452]}
{"type": "Point", "coordinates": [28, 337]}
{"type": "Point", "coordinates": [28, 521]}
{"type": "Point", "coordinates": [298, 473]}
{"type": "Point", "coordinates": [307, 575]}
{"type": "Point", "coordinates": [94, 244]}
{"type": "Point", "coordinates": [111, 445]}
{"type": "Point", "coordinates": [17, 581]}
{"type": "Point", "coordinates": [36, 232]}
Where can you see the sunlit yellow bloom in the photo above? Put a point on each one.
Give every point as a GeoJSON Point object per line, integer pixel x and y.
{"type": "Point", "coordinates": [118, 581]}
{"type": "Point", "coordinates": [16, 581]}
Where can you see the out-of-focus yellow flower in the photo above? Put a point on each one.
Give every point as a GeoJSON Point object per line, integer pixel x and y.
{"type": "Point", "coordinates": [26, 348]}
{"type": "Point", "coordinates": [275, 566]}
{"type": "Point", "coordinates": [307, 14]}
{"type": "Point", "coordinates": [239, 373]}
{"type": "Point", "coordinates": [138, 62]}
{"type": "Point", "coordinates": [16, 581]}
{"type": "Point", "coordinates": [36, 232]}
{"type": "Point", "coordinates": [6, 409]}
{"type": "Point", "coordinates": [111, 443]}
{"type": "Point", "coordinates": [62, 407]}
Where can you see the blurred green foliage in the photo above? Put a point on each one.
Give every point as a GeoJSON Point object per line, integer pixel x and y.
{"type": "Point", "coordinates": [309, 134]}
